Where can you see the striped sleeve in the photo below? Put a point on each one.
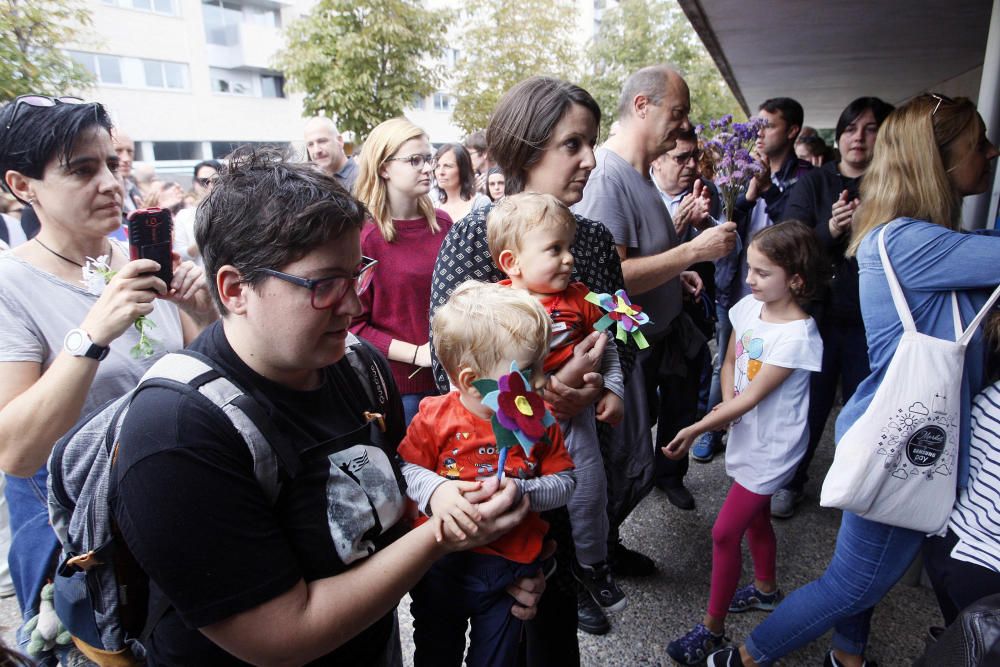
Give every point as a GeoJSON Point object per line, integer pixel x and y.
{"type": "Point", "coordinates": [976, 517]}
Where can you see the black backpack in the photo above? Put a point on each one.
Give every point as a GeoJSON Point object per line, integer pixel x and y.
{"type": "Point", "coordinates": [101, 595]}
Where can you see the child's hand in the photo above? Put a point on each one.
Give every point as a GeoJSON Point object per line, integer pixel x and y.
{"type": "Point", "coordinates": [450, 509]}
{"type": "Point", "coordinates": [678, 447]}
{"type": "Point", "coordinates": [586, 359]}
{"type": "Point", "coordinates": [611, 408]}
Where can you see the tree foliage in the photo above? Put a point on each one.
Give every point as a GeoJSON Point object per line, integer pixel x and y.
{"type": "Point", "coordinates": [363, 61]}
{"type": "Point", "coordinates": [636, 33]}
{"type": "Point", "coordinates": [31, 34]}
{"type": "Point", "coordinates": [506, 42]}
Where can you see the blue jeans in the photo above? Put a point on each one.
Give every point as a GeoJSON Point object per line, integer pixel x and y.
{"type": "Point", "coordinates": [411, 403]}
{"type": "Point", "coordinates": [458, 588]}
{"type": "Point", "coordinates": [34, 547]}
{"type": "Point", "coordinates": [868, 560]}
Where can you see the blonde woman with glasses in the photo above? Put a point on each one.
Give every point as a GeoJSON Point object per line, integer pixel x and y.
{"type": "Point", "coordinates": [404, 234]}
{"type": "Point", "coordinates": [929, 154]}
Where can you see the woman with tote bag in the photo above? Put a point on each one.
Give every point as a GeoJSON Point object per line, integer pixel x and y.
{"type": "Point", "coordinates": [931, 152]}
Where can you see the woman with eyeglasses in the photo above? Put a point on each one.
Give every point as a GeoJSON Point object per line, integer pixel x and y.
{"type": "Point", "coordinates": [826, 199]}
{"type": "Point", "coordinates": [68, 345]}
{"type": "Point", "coordinates": [404, 234]}
{"type": "Point", "coordinates": [929, 154]}
{"type": "Point", "coordinates": [456, 182]}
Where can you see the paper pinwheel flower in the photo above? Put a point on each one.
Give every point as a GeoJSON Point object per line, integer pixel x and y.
{"type": "Point", "coordinates": [519, 414]}
{"type": "Point", "coordinates": [620, 310]}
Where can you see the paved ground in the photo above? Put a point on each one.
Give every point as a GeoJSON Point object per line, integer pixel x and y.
{"type": "Point", "coordinates": [662, 608]}
{"type": "Point", "coordinates": [670, 603]}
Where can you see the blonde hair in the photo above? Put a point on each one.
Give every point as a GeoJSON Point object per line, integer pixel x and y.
{"type": "Point", "coordinates": [382, 144]}
{"type": "Point", "coordinates": [915, 149]}
{"type": "Point", "coordinates": [483, 324]}
{"type": "Point", "coordinates": [514, 216]}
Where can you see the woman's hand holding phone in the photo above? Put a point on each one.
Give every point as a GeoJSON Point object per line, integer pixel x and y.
{"type": "Point", "coordinates": [127, 296]}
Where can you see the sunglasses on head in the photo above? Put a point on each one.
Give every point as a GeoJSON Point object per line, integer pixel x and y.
{"type": "Point", "coordinates": [940, 99]}
{"type": "Point", "coordinates": [40, 101]}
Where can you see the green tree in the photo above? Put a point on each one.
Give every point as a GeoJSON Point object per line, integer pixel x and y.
{"type": "Point", "coordinates": [506, 42]}
{"type": "Point", "coordinates": [636, 33]}
{"type": "Point", "coordinates": [363, 61]}
{"type": "Point", "coordinates": [31, 34]}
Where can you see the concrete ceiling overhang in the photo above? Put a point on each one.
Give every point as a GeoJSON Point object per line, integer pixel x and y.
{"type": "Point", "coordinates": [826, 53]}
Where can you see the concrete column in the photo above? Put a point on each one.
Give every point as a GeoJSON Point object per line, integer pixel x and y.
{"type": "Point", "coordinates": [981, 211]}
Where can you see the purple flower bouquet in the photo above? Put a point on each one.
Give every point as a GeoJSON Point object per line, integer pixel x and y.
{"type": "Point", "coordinates": [731, 144]}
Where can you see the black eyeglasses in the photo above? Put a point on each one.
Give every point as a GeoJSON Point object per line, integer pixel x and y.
{"type": "Point", "coordinates": [417, 160]}
{"type": "Point", "coordinates": [328, 291]}
{"type": "Point", "coordinates": [40, 101]}
{"type": "Point", "coordinates": [206, 182]}
{"type": "Point", "coordinates": [940, 99]}
{"type": "Point", "coordinates": [684, 158]}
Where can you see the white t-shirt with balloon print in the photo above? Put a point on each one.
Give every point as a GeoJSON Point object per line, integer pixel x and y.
{"type": "Point", "coordinates": [766, 444]}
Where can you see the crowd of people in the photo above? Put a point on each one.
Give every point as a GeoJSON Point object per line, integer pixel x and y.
{"type": "Point", "coordinates": [554, 327]}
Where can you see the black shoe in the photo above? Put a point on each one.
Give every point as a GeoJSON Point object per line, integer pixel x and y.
{"type": "Point", "coordinates": [679, 497]}
{"type": "Point", "coordinates": [589, 617]}
{"type": "Point", "coordinates": [832, 661]}
{"type": "Point", "coordinates": [601, 586]}
{"type": "Point", "coordinates": [727, 657]}
{"type": "Point", "coordinates": [625, 562]}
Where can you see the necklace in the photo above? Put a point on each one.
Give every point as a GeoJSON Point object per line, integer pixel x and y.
{"type": "Point", "coordinates": [111, 249]}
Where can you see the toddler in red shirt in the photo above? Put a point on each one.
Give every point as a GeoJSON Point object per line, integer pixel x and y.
{"type": "Point", "coordinates": [478, 334]}
{"type": "Point", "coordinates": [530, 236]}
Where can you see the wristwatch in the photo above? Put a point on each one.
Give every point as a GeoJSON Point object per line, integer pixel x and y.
{"type": "Point", "coordinates": [77, 342]}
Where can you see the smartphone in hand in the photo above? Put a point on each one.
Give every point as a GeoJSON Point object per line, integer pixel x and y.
{"type": "Point", "coordinates": [150, 236]}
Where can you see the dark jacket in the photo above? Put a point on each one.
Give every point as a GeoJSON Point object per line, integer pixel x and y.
{"type": "Point", "coordinates": [811, 201]}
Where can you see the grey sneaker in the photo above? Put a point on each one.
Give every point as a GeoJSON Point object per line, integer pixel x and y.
{"type": "Point", "coordinates": [783, 503]}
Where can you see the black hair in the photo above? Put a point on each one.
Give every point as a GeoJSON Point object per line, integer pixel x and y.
{"type": "Point", "coordinates": [880, 109]}
{"type": "Point", "coordinates": [466, 175]}
{"type": "Point", "coordinates": [524, 120]}
{"type": "Point", "coordinates": [37, 135]}
{"type": "Point", "coordinates": [266, 212]}
{"type": "Point", "coordinates": [789, 109]}
{"type": "Point", "coordinates": [214, 164]}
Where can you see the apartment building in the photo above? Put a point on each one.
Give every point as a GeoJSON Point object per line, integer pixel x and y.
{"type": "Point", "coordinates": [191, 79]}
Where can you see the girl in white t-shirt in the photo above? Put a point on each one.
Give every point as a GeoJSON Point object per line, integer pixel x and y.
{"type": "Point", "coordinates": [765, 382]}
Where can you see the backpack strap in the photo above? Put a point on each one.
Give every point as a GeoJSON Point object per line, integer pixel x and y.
{"type": "Point", "coordinates": [372, 377]}
{"type": "Point", "coordinates": [192, 372]}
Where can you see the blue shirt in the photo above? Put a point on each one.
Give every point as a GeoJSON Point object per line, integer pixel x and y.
{"type": "Point", "coordinates": [930, 261]}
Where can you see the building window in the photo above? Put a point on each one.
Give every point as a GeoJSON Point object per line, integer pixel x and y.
{"type": "Point", "coordinates": [105, 69]}
{"type": "Point", "coordinates": [222, 23]}
{"type": "Point", "coordinates": [166, 7]}
{"type": "Point", "coordinates": [162, 74]}
{"type": "Point", "coordinates": [272, 86]}
{"type": "Point", "coordinates": [177, 150]}
{"type": "Point", "coordinates": [418, 102]}
{"type": "Point", "coordinates": [442, 102]}
{"type": "Point", "coordinates": [245, 82]}
{"type": "Point", "coordinates": [231, 81]}
{"type": "Point", "coordinates": [270, 18]}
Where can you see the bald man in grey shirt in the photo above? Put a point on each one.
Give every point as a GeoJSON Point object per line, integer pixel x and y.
{"type": "Point", "coordinates": [653, 109]}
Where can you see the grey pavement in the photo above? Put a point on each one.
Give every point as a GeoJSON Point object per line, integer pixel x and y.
{"type": "Point", "coordinates": [665, 606]}
{"type": "Point", "coordinates": [669, 604]}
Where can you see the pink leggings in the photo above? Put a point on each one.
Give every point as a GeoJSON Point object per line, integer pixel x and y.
{"type": "Point", "coordinates": [743, 512]}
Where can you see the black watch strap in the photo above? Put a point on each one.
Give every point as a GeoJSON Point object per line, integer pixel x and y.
{"type": "Point", "coordinates": [96, 352]}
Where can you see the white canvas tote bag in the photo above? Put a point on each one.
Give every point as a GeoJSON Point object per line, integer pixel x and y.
{"type": "Point", "coordinates": [897, 463]}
